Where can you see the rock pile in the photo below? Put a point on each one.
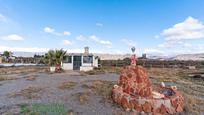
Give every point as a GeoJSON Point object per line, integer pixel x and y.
{"type": "Point", "coordinates": [134, 92]}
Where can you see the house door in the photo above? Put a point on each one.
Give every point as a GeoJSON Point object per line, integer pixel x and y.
{"type": "Point", "coordinates": [77, 62]}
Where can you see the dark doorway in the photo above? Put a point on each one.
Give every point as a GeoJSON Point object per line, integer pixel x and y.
{"type": "Point", "coordinates": [77, 62]}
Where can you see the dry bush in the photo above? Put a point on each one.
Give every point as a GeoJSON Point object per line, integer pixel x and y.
{"type": "Point", "coordinates": [102, 70]}
{"type": "Point", "coordinates": [31, 78]}
{"type": "Point", "coordinates": [3, 78]}
{"type": "Point", "coordinates": [29, 92]}
{"type": "Point", "coordinates": [67, 85]}
{"type": "Point", "coordinates": [93, 72]}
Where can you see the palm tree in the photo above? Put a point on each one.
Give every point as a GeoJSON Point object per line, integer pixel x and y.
{"type": "Point", "coordinates": [59, 56]}
{"type": "Point", "coordinates": [51, 58]}
{"type": "Point", "coordinates": [55, 57]}
{"type": "Point", "coordinates": [6, 54]}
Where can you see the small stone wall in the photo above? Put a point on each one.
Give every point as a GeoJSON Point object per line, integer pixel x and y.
{"type": "Point", "coordinates": [134, 92]}
{"type": "Point", "coordinates": [171, 104]}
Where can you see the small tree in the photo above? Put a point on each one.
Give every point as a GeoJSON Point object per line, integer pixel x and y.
{"type": "Point", "coordinates": [55, 57]}
{"type": "Point", "coordinates": [6, 54]}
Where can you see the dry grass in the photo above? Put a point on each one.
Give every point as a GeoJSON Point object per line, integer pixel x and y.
{"type": "Point", "coordinates": [93, 72]}
{"type": "Point", "coordinates": [29, 92]}
{"type": "Point", "coordinates": [31, 77]}
{"type": "Point", "coordinates": [83, 97]}
{"type": "Point", "coordinates": [102, 71]}
{"type": "Point", "coordinates": [67, 85]}
{"type": "Point", "coordinates": [193, 105]}
{"type": "Point", "coordinates": [101, 88]}
{"type": "Point", "coordinates": [3, 78]}
{"type": "Point", "coordinates": [21, 70]}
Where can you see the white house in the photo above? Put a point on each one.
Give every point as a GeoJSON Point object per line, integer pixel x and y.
{"type": "Point", "coordinates": [80, 61]}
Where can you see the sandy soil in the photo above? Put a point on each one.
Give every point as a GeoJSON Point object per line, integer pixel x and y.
{"type": "Point", "coordinates": [87, 95]}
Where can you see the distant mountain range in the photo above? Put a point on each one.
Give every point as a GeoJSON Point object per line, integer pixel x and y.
{"type": "Point", "coordinates": [195, 57]}
{"type": "Point", "coordinates": [122, 56]}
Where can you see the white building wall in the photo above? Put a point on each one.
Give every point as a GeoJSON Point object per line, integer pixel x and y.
{"type": "Point", "coordinates": [68, 66]}
{"type": "Point", "coordinates": [95, 61]}
{"type": "Point", "coordinates": [86, 66]}
{"type": "Point", "coordinates": [83, 67]}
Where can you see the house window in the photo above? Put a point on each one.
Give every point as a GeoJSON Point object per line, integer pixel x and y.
{"type": "Point", "coordinates": [67, 59]}
{"type": "Point", "coordinates": [87, 59]}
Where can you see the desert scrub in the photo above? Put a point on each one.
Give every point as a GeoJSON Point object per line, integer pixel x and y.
{"type": "Point", "coordinates": [102, 87]}
{"type": "Point", "coordinates": [3, 78]}
{"type": "Point", "coordinates": [29, 92]}
{"type": "Point", "coordinates": [94, 72]}
{"type": "Point", "coordinates": [103, 70]}
{"type": "Point", "coordinates": [193, 105]}
{"type": "Point", "coordinates": [67, 85]}
{"type": "Point", "coordinates": [31, 77]}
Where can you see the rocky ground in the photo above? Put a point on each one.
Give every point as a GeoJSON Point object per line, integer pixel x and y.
{"type": "Point", "coordinates": [25, 89]}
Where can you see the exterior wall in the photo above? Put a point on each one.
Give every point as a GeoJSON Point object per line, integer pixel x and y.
{"type": "Point", "coordinates": [95, 62]}
{"type": "Point", "coordinates": [68, 66]}
{"type": "Point", "coordinates": [83, 67]}
{"type": "Point", "coordinates": [86, 68]}
{"type": "Point", "coordinates": [1, 59]}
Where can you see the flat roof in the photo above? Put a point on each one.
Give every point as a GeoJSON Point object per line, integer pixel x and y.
{"type": "Point", "coordinates": [79, 54]}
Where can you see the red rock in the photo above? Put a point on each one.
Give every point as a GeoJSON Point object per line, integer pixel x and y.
{"type": "Point", "coordinates": [124, 102]}
{"type": "Point", "coordinates": [134, 91]}
{"type": "Point", "coordinates": [137, 79]}
{"type": "Point", "coordinates": [156, 111]}
{"type": "Point", "coordinates": [174, 102]}
{"type": "Point", "coordinates": [147, 107]}
{"type": "Point", "coordinates": [179, 108]}
{"type": "Point", "coordinates": [138, 108]}
{"type": "Point", "coordinates": [163, 109]}
{"type": "Point", "coordinates": [170, 111]}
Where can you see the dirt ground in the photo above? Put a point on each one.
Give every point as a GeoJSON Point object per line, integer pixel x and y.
{"type": "Point", "coordinates": [83, 94]}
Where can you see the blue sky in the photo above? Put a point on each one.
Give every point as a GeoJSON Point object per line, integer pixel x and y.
{"type": "Point", "coordinates": [160, 27]}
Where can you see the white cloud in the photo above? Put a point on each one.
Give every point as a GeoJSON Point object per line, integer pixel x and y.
{"type": "Point", "coordinates": [106, 43]}
{"type": "Point", "coordinates": [67, 42]}
{"type": "Point", "coordinates": [13, 37]}
{"type": "Point", "coordinates": [99, 24]}
{"type": "Point", "coordinates": [169, 44]}
{"type": "Point", "coordinates": [52, 31]}
{"type": "Point", "coordinates": [154, 51]}
{"type": "Point", "coordinates": [23, 49]}
{"type": "Point", "coordinates": [180, 33]}
{"type": "Point", "coordinates": [66, 33]}
{"type": "Point", "coordinates": [48, 30]}
{"type": "Point", "coordinates": [81, 38]}
{"type": "Point", "coordinates": [129, 42]}
{"type": "Point", "coordinates": [2, 18]}
{"type": "Point", "coordinates": [191, 28]}
{"type": "Point", "coordinates": [156, 36]}
{"type": "Point", "coordinates": [94, 38]}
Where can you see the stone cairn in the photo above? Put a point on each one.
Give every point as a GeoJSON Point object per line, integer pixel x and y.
{"type": "Point", "coordinates": [134, 92]}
